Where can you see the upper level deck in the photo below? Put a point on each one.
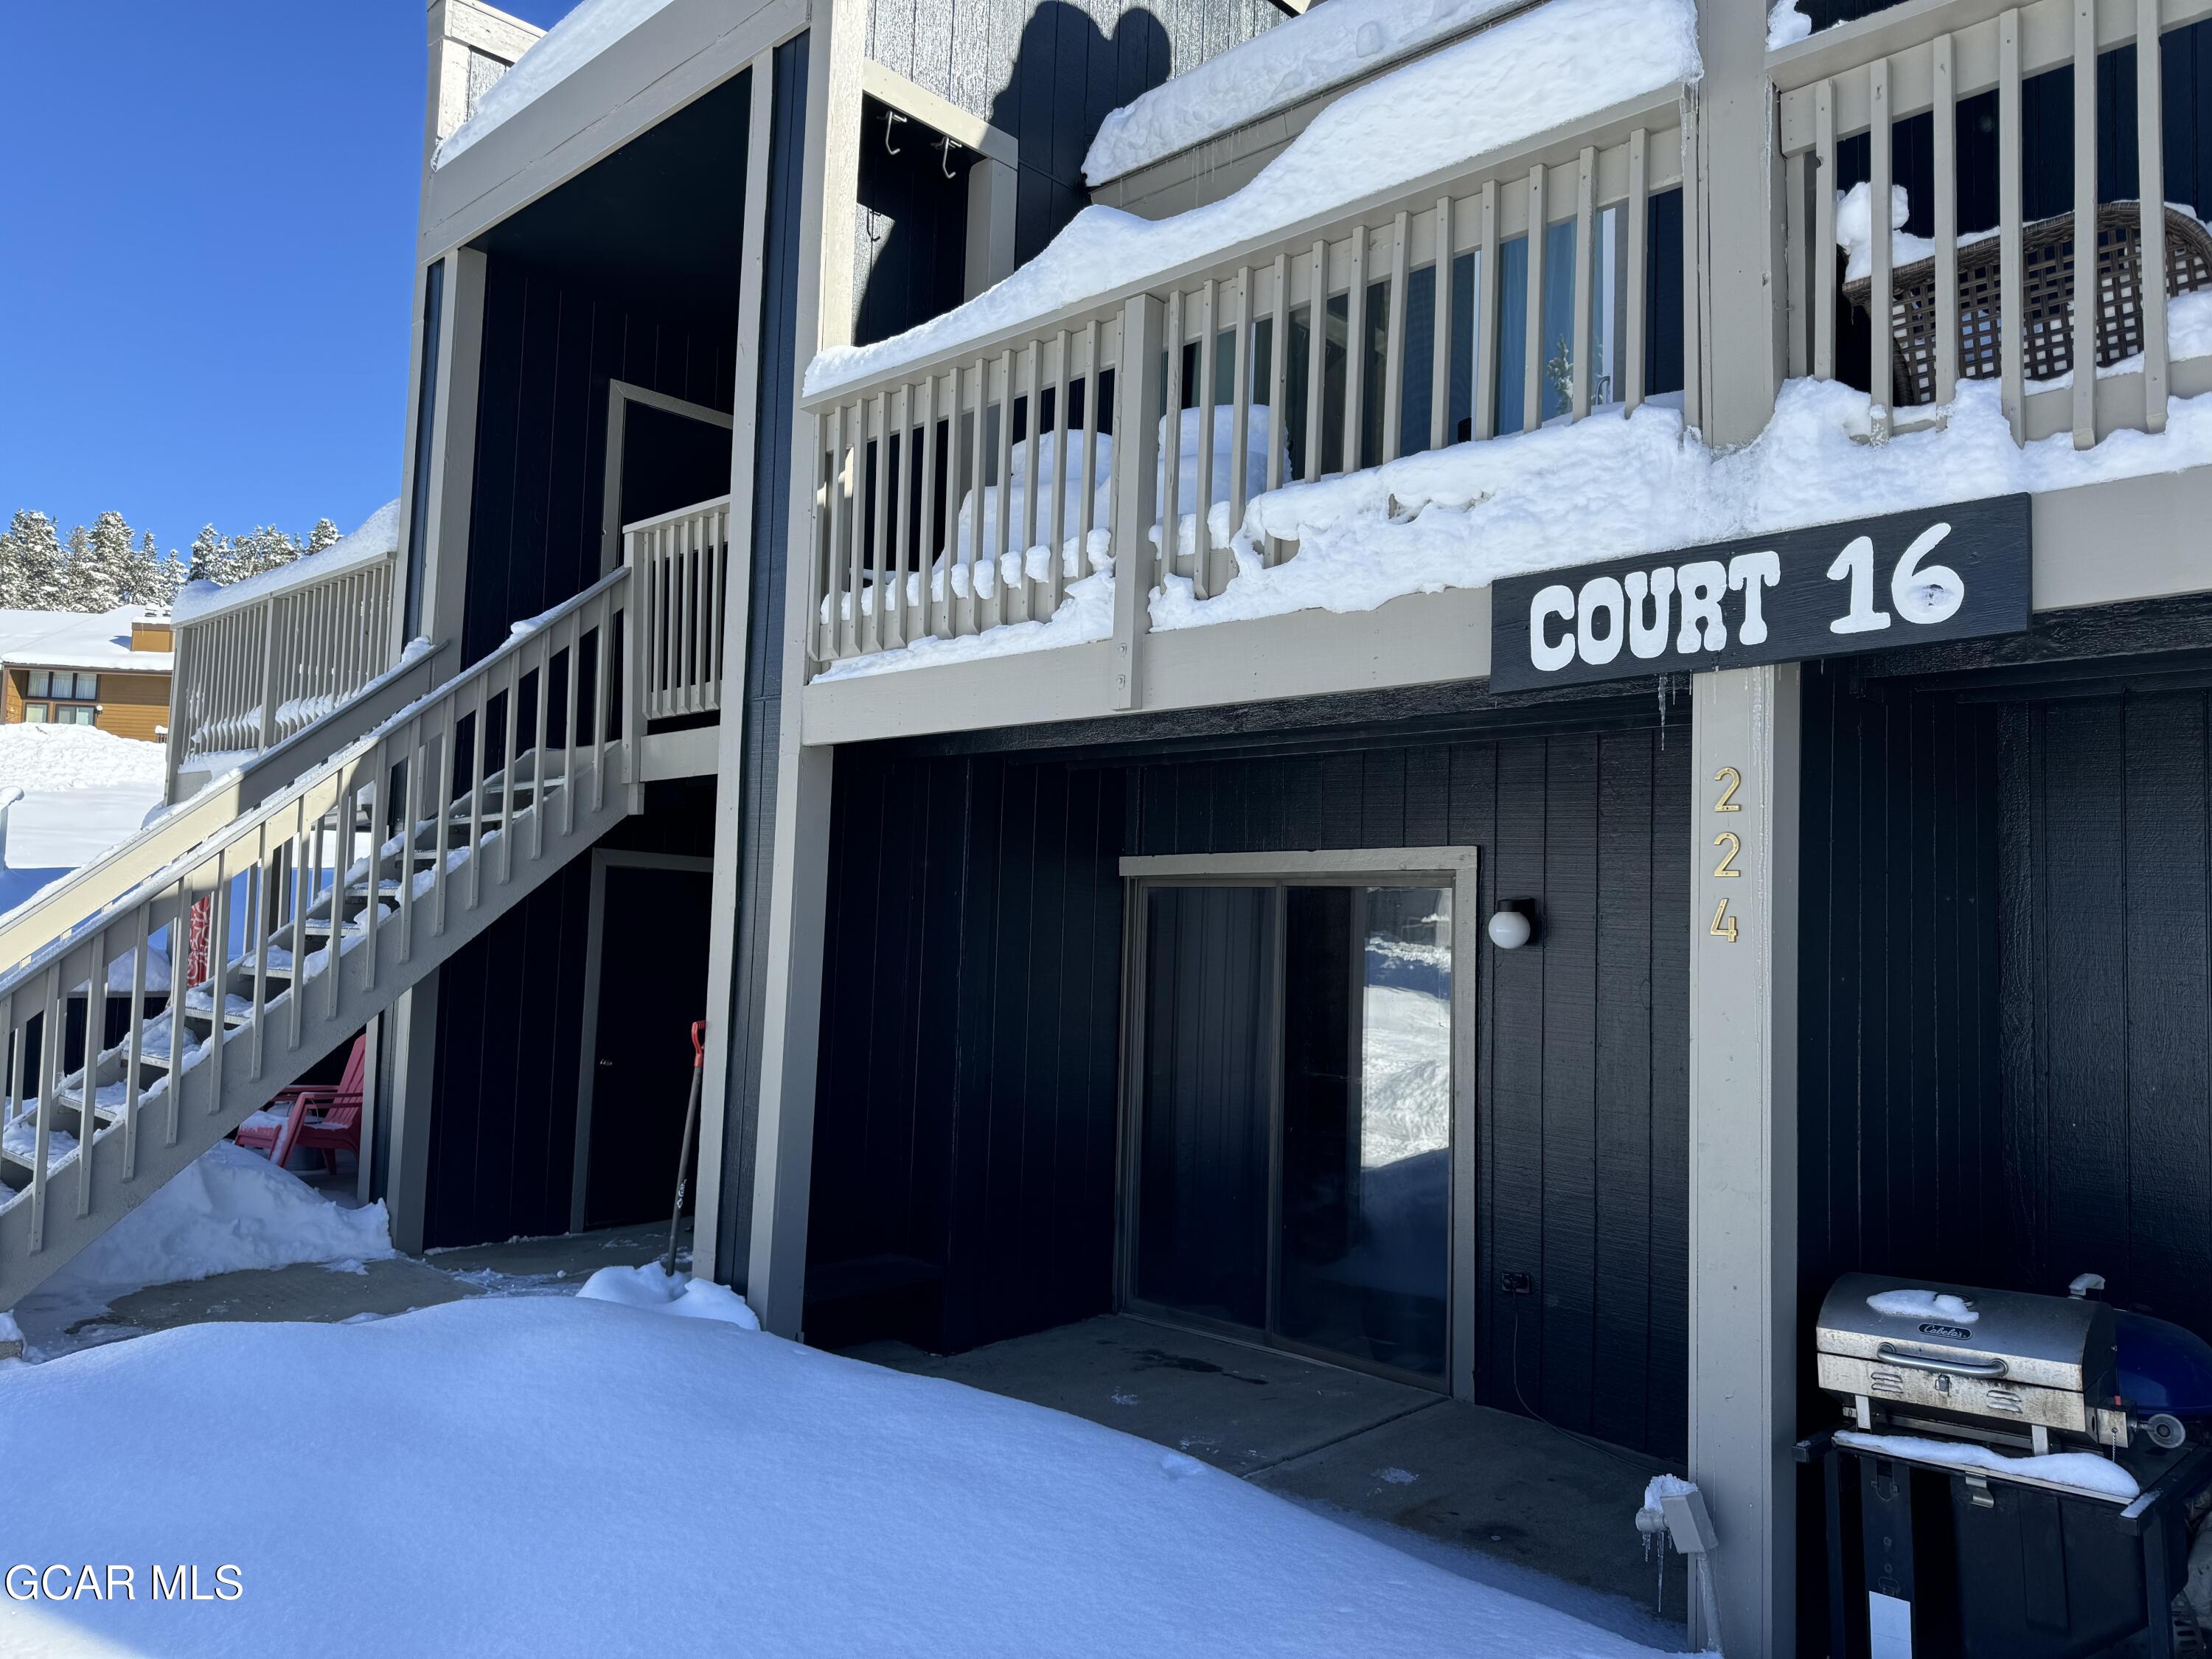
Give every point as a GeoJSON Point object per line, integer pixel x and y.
{"type": "Point", "coordinates": [1489, 311]}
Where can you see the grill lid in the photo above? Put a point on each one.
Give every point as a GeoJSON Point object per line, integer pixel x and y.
{"type": "Point", "coordinates": [2049, 1342]}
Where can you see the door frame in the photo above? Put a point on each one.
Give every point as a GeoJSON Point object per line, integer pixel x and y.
{"type": "Point", "coordinates": [1458, 867]}
{"type": "Point", "coordinates": [588, 1049]}
{"type": "Point", "coordinates": [621, 394]}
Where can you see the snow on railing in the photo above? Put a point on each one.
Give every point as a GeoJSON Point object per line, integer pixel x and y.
{"type": "Point", "coordinates": [682, 562]}
{"type": "Point", "coordinates": [971, 490]}
{"type": "Point", "coordinates": [1992, 301]}
{"type": "Point", "coordinates": [249, 676]}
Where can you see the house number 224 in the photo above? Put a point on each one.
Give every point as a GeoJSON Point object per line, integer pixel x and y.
{"type": "Point", "coordinates": [1731, 847]}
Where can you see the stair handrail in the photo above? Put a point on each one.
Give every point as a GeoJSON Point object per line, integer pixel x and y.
{"type": "Point", "coordinates": [211, 840]}
{"type": "Point", "coordinates": [94, 888]}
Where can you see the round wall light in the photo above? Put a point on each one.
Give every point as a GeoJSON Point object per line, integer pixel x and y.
{"type": "Point", "coordinates": [1513, 923]}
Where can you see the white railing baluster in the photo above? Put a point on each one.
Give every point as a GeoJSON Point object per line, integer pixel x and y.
{"type": "Point", "coordinates": [1240, 407]}
{"type": "Point", "coordinates": [927, 551]}
{"type": "Point", "coordinates": [1317, 330]}
{"type": "Point", "coordinates": [87, 1097]}
{"type": "Point", "coordinates": [971, 602]}
{"type": "Point", "coordinates": [2012, 285]}
{"type": "Point", "coordinates": [1003, 464]}
{"type": "Point", "coordinates": [1488, 289]}
{"type": "Point", "coordinates": [1532, 364]}
{"type": "Point", "coordinates": [1055, 574]}
{"type": "Point", "coordinates": [1639, 233]}
{"type": "Point", "coordinates": [1824, 232]}
{"type": "Point", "coordinates": [2089, 299]}
{"type": "Point", "coordinates": [2150, 189]}
{"type": "Point", "coordinates": [1355, 352]}
{"type": "Point", "coordinates": [1578, 348]}
{"type": "Point", "coordinates": [1278, 353]}
{"type": "Point", "coordinates": [1201, 577]}
{"type": "Point", "coordinates": [134, 1047]}
{"type": "Point", "coordinates": [1946, 223]}
{"type": "Point", "coordinates": [1171, 493]}
{"type": "Point", "coordinates": [1033, 390]}
{"type": "Point", "coordinates": [1440, 291]}
{"type": "Point", "coordinates": [1393, 338]}
{"type": "Point", "coordinates": [1087, 517]}
{"type": "Point", "coordinates": [1883, 396]}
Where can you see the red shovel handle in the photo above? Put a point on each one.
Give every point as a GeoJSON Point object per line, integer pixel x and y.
{"type": "Point", "coordinates": [698, 1045]}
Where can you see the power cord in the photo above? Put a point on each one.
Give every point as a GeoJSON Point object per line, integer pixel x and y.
{"type": "Point", "coordinates": [1590, 1440]}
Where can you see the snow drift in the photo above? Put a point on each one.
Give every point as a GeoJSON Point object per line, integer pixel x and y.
{"type": "Point", "coordinates": [534, 1476]}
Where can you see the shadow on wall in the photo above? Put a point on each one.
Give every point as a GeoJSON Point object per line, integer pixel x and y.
{"type": "Point", "coordinates": [1067, 74]}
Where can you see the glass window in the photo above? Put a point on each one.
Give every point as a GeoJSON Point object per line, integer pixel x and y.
{"type": "Point", "coordinates": [1512, 332]}
{"type": "Point", "coordinates": [41, 683]}
{"type": "Point", "coordinates": [78, 713]}
{"type": "Point", "coordinates": [1608, 306]}
{"type": "Point", "coordinates": [1330, 1059]}
{"type": "Point", "coordinates": [1366, 1184]}
{"type": "Point", "coordinates": [36, 713]}
{"type": "Point", "coordinates": [1557, 379]}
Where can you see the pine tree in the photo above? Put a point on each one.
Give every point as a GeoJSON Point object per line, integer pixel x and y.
{"type": "Point", "coordinates": [322, 536]}
{"type": "Point", "coordinates": [84, 586]}
{"type": "Point", "coordinates": [209, 561]}
{"type": "Point", "coordinates": [30, 563]}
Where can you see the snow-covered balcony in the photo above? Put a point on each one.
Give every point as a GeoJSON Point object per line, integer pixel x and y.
{"type": "Point", "coordinates": [1441, 337]}
{"type": "Point", "coordinates": [1486, 240]}
{"type": "Point", "coordinates": [2022, 157]}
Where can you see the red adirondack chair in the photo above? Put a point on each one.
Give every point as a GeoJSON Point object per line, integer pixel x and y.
{"type": "Point", "coordinates": [335, 1127]}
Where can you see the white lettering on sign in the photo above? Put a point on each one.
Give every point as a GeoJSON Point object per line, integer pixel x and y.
{"type": "Point", "coordinates": [1747, 573]}
{"type": "Point", "coordinates": [1650, 641]}
{"type": "Point", "coordinates": [1684, 607]}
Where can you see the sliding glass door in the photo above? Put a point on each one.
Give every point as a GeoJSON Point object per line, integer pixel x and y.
{"type": "Point", "coordinates": [1292, 1168]}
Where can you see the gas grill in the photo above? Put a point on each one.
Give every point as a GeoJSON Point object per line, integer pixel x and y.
{"type": "Point", "coordinates": [2018, 1476]}
{"type": "Point", "coordinates": [1997, 1367]}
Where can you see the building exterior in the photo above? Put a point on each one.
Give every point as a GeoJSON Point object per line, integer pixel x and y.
{"type": "Point", "coordinates": [1384, 934]}
{"type": "Point", "coordinates": [111, 670]}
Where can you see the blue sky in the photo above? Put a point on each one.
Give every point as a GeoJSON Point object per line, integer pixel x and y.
{"type": "Point", "coordinates": [204, 293]}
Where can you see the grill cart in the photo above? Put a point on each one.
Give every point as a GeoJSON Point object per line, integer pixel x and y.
{"type": "Point", "coordinates": [2017, 1476]}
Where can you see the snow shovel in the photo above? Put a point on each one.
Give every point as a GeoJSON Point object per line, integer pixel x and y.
{"type": "Point", "coordinates": [690, 1128]}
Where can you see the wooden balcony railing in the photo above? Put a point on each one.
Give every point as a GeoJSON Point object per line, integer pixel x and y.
{"type": "Point", "coordinates": [1995, 299]}
{"type": "Point", "coordinates": [967, 489]}
{"type": "Point", "coordinates": [251, 673]}
{"type": "Point", "coordinates": [681, 563]}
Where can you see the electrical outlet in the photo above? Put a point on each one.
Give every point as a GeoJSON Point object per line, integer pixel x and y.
{"type": "Point", "coordinates": [1517, 1284]}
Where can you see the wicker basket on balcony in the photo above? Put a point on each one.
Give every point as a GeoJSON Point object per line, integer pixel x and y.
{"type": "Point", "coordinates": [2047, 271]}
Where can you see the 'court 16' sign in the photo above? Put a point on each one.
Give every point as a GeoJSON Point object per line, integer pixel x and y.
{"type": "Point", "coordinates": [1952, 573]}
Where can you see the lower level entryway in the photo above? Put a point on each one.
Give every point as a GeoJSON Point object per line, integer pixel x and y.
{"type": "Point", "coordinates": [1495, 1497]}
{"type": "Point", "coordinates": [1294, 1102]}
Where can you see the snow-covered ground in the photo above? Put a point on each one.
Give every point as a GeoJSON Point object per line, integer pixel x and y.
{"type": "Point", "coordinates": [563, 1475]}
{"type": "Point", "coordinates": [83, 789]}
{"type": "Point", "coordinates": [228, 1211]}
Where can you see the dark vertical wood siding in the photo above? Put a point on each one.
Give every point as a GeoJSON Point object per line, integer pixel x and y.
{"type": "Point", "coordinates": [2107, 1058]}
{"type": "Point", "coordinates": [966, 1112]}
{"type": "Point", "coordinates": [510, 1017]}
{"type": "Point", "coordinates": [762, 705]}
{"type": "Point", "coordinates": [1901, 1127]}
{"type": "Point", "coordinates": [966, 1106]}
{"type": "Point", "coordinates": [1049, 72]}
{"type": "Point", "coordinates": [550, 346]}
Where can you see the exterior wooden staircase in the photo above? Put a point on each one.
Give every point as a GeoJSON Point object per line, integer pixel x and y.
{"type": "Point", "coordinates": [161, 1009]}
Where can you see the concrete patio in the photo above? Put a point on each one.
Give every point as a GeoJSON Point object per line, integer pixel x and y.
{"type": "Point", "coordinates": [1495, 1497]}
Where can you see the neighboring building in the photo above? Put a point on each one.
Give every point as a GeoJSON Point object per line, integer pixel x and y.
{"type": "Point", "coordinates": [1385, 933]}
{"type": "Point", "coordinates": [111, 670]}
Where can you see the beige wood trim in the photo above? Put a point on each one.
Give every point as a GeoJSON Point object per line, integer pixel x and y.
{"type": "Point", "coordinates": [889, 87]}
